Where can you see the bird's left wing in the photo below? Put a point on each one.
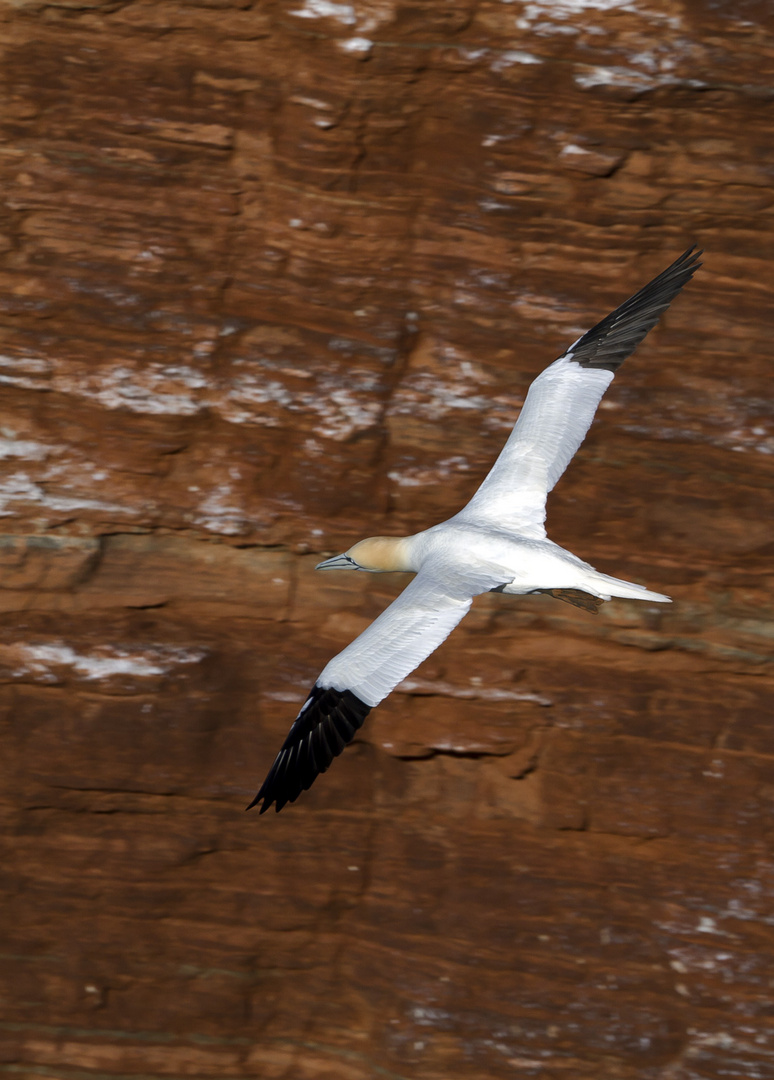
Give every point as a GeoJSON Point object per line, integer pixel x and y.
{"type": "Point", "coordinates": [561, 404]}
{"type": "Point", "coordinates": [361, 676]}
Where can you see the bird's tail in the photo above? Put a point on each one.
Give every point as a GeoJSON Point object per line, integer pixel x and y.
{"type": "Point", "coordinates": [607, 587]}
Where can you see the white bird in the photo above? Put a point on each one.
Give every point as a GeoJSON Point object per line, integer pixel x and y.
{"type": "Point", "coordinates": [497, 543]}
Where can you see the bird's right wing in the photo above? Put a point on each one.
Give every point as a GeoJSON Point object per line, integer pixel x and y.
{"type": "Point", "coordinates": [561, 404]}
{"type": "Point", "coordinates": [364, 673]}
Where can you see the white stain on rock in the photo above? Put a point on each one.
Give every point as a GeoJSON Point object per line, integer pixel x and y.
{"type": "Point", "coordinates": [23, 448]}
{"type": "Point", "coordinates": [19, 488]}
{"type": "Point", "coordinates": [514, 56]}
{"type": "Point", "coordinates": [326, 9]}
{"type": "Point", "coordinates": [358, 46]}
{"type": "Point", "coordinates": [51, 662]}
{"type": "Point", "coordinates": [220, 513]}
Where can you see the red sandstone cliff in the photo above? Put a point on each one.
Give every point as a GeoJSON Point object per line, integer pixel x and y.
{"type": "Point", "coordinates": [274, 276]}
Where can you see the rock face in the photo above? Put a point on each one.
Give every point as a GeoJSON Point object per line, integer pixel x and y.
{"type": "Point", "coordinates": [276, 276]}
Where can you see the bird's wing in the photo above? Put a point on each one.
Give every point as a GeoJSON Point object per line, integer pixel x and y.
{"type": "Point", "coordinates": [361, 676]}
{"type": "Point", "coordinates": [561, 404]}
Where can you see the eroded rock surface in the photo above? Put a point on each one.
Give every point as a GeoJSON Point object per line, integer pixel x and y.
{"type": "Point", "coordinates": [276, 276]}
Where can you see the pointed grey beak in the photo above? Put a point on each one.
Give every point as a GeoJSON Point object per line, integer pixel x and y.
{"type": "Point", "coordinates": [338, 562]}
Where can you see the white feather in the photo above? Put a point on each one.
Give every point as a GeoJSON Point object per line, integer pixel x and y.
{"type": "Point", "coordinates": [553, 422]}
{"type": "Point", "coordinates": [404, 635]}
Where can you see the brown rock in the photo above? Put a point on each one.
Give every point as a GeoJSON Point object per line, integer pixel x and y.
{"type": "Point", "coordinates": [274, 277]}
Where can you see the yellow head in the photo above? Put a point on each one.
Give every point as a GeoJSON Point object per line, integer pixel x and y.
{"type": "Point", "coordinates": [378, 554]}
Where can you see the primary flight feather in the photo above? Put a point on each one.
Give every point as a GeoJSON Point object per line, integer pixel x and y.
{"type": "Point", "coordinates": [496, 543]}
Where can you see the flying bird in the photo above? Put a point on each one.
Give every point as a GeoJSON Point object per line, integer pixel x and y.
{"type": "Point", "coordinates": [497, 543]}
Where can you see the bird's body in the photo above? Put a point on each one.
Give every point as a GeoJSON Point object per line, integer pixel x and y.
{"type": "Point", "coordinates": [497, 542]}
{"type": "Point", "coordinates": [522, 564]}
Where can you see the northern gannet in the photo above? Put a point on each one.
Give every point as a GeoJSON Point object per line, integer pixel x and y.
{"type": "Point", "coordinates": [497, 543]}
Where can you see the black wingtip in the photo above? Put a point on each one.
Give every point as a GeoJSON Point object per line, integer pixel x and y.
{"type": "Point", "coordinates": [607, 344]}
{"type": "Point", "coordinates": [327, 722]}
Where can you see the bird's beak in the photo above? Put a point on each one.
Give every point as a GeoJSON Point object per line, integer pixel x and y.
{"type": "Point", "coordinates": [338, 562]}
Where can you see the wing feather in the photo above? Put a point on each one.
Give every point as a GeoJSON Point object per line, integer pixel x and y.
{"type": "Point", "coordinates": [362, 675]}
{"type": "Point", "coordinates": [561, 404]}
{"type": "Point", "coordinates": [404, 635]}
